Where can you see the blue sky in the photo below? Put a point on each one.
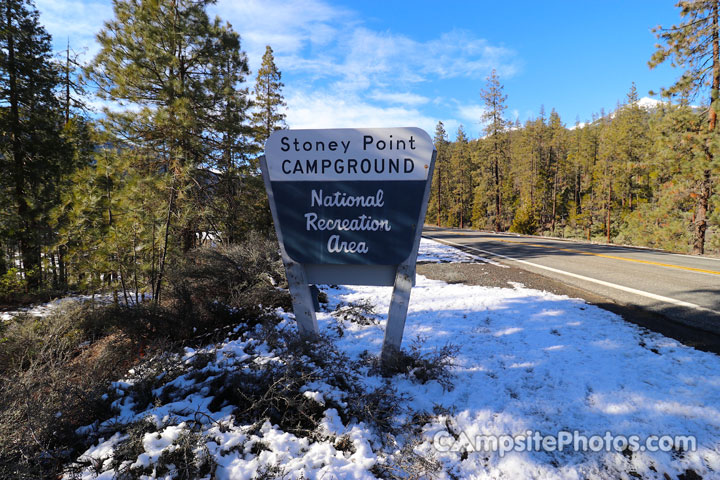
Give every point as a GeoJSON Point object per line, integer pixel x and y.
{"type": "Point", "coordinates": [411, 63]}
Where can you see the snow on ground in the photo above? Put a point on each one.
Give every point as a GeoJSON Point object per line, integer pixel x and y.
{"type": "Point", "coordinates": [44, 309]}
{"type": "Point", "coordinates": [435, 252]}
{"type": "Point", "coordinates": [529, 363]}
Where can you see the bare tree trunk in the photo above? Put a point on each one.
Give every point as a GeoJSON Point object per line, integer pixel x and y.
{"type": "Point", "coordinates": [53, 268]}
{"type": "Point", "coordinates": [438, 196]}
{"type": "Point", "coordinates": [61, 268]}
{"type": "Point", "coordinates": [462, 209]}
{"type": "Point", "coordinates": [608, 206]}
{"type": "Point", "coordinates": [715, 91]}
{"type": "Point", "coordinates": [67, 83]}
{"type": "Point", "coordinates": [163, 255]}
{"type": "Point", "coordinates": [554, 202]}
{"type": "Point", "coordinates": [496, 172]}
{"type": "Point", "coordinates": [152, 262]}
{"type": "Point", "coordinates": [135, 263]}
{"type": "Point", "coordinates": [702, 206]}
{"type": "Point", "coordinates": [576, 193]}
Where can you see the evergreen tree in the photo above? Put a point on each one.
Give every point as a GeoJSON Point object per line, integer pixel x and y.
{"type": "Point", "coordinates": [662, 221]}
{"type": "Point", "coordinates": [556, 163]}
{"type": "Point", "coordinates": [695, 44]}
{"type": "Point", "coordinates": [269, 101]}
{"type": "Point", "coordinates": [33, 156]}
{"type": "Point", "coordinates": [167, 57]}
{"type": "Point", "coordinates": [495, 126]}
{"type": "Point", "coordinates": [237, 203]}
{"type": "Point", "coordinates": [438, 197]}
{"type": "Point", "coordinates": [461, 181]}
{"type": "Point", "coordinates": [634, 144]}
{"type": "Point", "coordinates": [112, 221]}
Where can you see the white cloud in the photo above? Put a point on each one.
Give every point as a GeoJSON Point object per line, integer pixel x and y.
{"type": "Point", "coordinates": [311, 37]}
{"type": "Point", "coordinates": [289, 27]}
{"type": "Point", "coordinates": [76, 20]}
{"type": "Point", "coordinates": [460, 54]}
{"type": "Point", "coordinates": [402, 98]}
{"type": "Point", "coordinates": [324, 110]}
{"type": "Point", "coordinates": [471, 113]}
{"type": "Point", "coordinates": [369, 58]}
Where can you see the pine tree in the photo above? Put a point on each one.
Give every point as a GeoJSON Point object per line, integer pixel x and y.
{"type": "Point", "coordinates": [634, 145]}
{"type": "Point", "coordinates": [695, 44]}
{"type": "Point", "coordinates": [269, 101]}
{"type": "Point", "coordinates": [237, 201]}
{"type": "Point", "coordinates": [662, 221]}
{"type": "Point", "coordinates": [495, 126]}
{"type": "Point", "coordinates": [32, 153]}
{"type": "Point", "coordinates": [112, 220]}
{"type": "Point", "coordinates": [522, 174]}
{"type": "Point", "coordinates": [460, 178]}
{"type": "Point", "coordinates": [167, 57]}
{"type": "Point", "coordinates": [557, 162]}
{"type": "Point", "coordinates": [438, 198]}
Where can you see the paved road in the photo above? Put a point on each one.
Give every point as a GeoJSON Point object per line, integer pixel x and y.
{"type": "Point", "coordinates": [680, 287]}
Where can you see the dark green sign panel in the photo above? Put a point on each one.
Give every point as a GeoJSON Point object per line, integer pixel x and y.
{"type": "Point", "coordinates": [360, 223]}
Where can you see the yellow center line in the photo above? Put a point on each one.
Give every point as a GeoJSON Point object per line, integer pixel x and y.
{"type": "Point", "coordinates": [571, 250]}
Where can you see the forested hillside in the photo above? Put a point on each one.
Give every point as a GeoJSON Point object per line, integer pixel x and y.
{"type": "Point", "coordinates": [633, 176]}
{"type": "Point", "coordinates": [643, 174]}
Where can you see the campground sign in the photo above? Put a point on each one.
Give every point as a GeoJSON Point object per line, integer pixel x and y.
{"type": "Point", "coordinates": [348, 207]}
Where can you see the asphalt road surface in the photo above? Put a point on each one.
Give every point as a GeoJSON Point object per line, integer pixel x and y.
{"type": "Point", "coordinates": [682, 288]}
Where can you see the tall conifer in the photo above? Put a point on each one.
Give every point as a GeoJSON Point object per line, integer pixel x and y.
{"type": "Point", "coordinates": [32, 153]}
{"type": "Point", "coordinates": [495, 126]}
{"type": "Point", "coordinates": [269, 101]}
{"type": "Point", "coordinates": [438, 203]}
{"type": "Point", "coordinates": [695, 45]}
{"type": "Point", "coordinates": [165, 56]}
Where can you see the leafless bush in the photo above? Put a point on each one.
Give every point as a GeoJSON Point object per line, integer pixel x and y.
{"type": "Point", "coordinates": [271, 472]}
{"type": "Point", "coordinates": [361, 313]}
{"type": "Point", "coordinates": [406, 464]}
{"type": "Point", "coordinates": [421, 367]}
{"type": "Point", "coordinates": [127, 451]}
{"type": "Point", "coordinates": [52, 381]}
{"type": "Point", "coordinates": [187, 458]}
{"type": "Point", "coordinates": [229, 283]}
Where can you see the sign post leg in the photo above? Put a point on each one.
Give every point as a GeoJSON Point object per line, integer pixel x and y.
{"type": "Point", "coordinates": [399, 303]}
{"type": "Point", "coordinates": [404, 281]}
{"type": "Point", "coordinates": [302, 299]}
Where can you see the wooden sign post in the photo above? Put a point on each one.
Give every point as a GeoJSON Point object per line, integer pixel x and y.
{"type": "Point", "coordinates": [348, 207]}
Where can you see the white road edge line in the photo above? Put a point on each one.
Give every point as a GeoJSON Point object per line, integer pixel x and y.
{"type": "Point", "coordinates": [580, 242]}
{"type": "Point", "coordinates": [642, 293]}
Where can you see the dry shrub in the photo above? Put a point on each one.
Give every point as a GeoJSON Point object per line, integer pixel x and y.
{"type": "Point", "coordinates": [52, 381]}
{"type": "Point", "coordinates": [406, 464]}
{"type": "Point", "coordinates": [187, 458]}
{"type": "Point", "coordinates": [417, 365]}
{"type": "Point", "coordinates": [275, 390]}
{"type": "Point", "coordinates": [229, 284]}
{"type": "Point", "coordinates": [361, 313]}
